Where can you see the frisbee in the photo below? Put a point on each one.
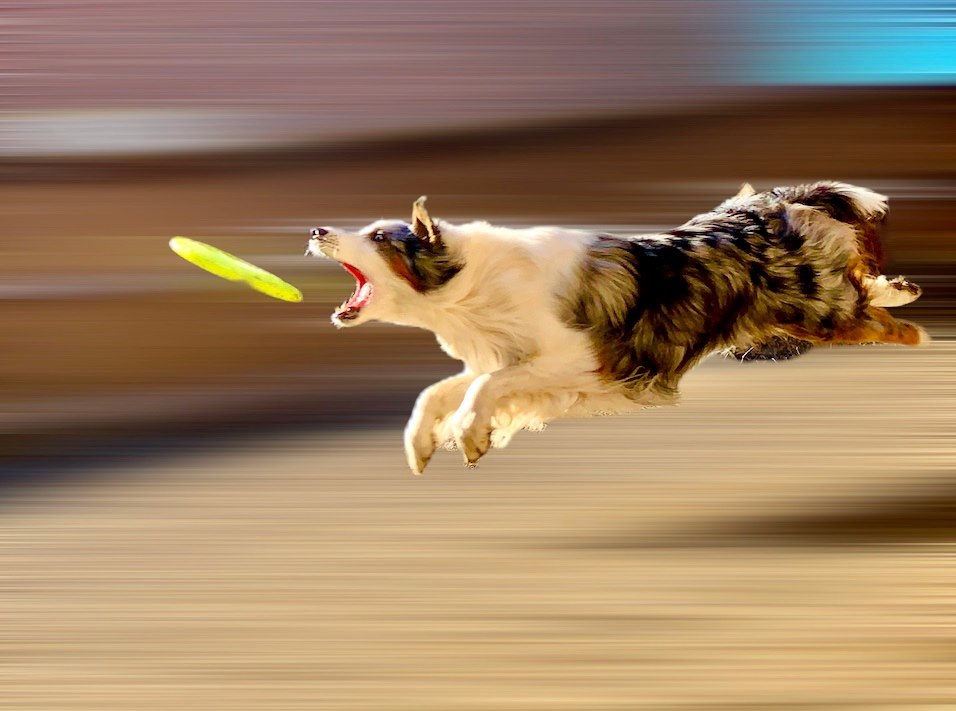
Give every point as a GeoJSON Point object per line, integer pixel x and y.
{"type": "Point", "coordinates": [230, 267]}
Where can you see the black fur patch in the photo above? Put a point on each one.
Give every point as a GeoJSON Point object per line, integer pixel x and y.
{"type": "Point", "coordinates": [758, 274]}
{"type": "Point", "coordinates": [791, 239]}
{"type": "Point", "coordinates": [823, 197]}
{"type": "Point", "coordinates": [807, 277]}
{"type": "Point", "coordinates": [419, 262]}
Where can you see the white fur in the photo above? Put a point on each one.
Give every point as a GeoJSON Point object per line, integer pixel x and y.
{"type": "Point", "coordinates": [870, 204]}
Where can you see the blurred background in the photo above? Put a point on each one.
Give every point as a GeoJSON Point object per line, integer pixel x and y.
{"type": "Point", "coordinates": [204, 498]}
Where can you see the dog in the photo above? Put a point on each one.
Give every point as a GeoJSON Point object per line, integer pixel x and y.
{"type": "Point", "coordinates": [552, 322]}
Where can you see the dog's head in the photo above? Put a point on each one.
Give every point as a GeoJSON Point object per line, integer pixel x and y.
{"type": "Point", "coordinates": [395, 264]}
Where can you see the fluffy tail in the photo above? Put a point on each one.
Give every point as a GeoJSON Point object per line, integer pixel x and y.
{"type": "Point", "coordinates": [858, 207]}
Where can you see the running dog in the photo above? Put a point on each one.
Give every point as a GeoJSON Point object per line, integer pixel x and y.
{"type": "Point", "coordinates": [552, 322]}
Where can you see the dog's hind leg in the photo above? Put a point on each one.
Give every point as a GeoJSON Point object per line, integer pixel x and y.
{"type": "Point", "coordinates": [875, 326]}
{"type": "Point", "coordinates": [887, 329]}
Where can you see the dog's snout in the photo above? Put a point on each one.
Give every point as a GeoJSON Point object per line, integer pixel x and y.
{"type": "Point", "coordinates": [321, 240]}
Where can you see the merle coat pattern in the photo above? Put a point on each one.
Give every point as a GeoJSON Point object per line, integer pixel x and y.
{"type": "Point", "coordinates": [552, 322]}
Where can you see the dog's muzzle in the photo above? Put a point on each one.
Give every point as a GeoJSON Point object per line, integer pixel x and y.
{"type": "Point", "coordinates": [321, 240]}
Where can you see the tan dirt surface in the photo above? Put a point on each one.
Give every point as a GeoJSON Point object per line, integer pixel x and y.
{"type": "Point", "coordinates": [783, 539]}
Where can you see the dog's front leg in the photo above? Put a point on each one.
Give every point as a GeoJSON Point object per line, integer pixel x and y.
{"type": "Point", "coordinates": [471, 423]}
{"type": "Point", "coordinates": [435, 402]}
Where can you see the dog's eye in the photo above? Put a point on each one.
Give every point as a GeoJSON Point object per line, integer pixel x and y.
{"type": "Point", "coordinates": [379, 236]}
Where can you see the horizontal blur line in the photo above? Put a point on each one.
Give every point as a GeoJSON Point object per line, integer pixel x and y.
{"type": "Point", "coordinates": [544, 130]}
{"type": "Point", "coordinates": [93, 286]}
{"type": "Point", "coordinates": [142, 135]}
{"type": "Point", "coordinates": [86, 430]}
{"type": "Point", "coordinates": [60, 434]}
{"type": "Point", "coordinates": [897, 189]}
{"type": "Point", "coordinates": [192, 402]}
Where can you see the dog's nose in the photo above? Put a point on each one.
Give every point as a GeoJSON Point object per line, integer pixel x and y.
{"type": "Point", "coordinates": [316, 233]}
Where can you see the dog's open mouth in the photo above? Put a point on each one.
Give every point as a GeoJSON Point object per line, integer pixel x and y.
{"type": "Point", "coordinates": [359, 298]}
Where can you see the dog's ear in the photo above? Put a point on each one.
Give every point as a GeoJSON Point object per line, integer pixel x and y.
{"type": "Point", "coordinates": [746, 190]}
{"type": "Point", "coordinates": [422, 224]}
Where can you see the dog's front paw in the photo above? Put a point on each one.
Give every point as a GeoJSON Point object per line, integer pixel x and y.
{"type": "Point", "coordinates": [473, 438]}
{"type": "Point", "coordinates": [419, 445]}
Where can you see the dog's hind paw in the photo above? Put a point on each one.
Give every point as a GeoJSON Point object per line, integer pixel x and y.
{"type": "Point", "coordinates": [888, 293]}
{"type": "Point", "coordinates": [777, 348]}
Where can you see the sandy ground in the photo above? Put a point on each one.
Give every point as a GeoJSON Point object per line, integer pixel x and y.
{"type": "Point", "coordinates": [783, 539]}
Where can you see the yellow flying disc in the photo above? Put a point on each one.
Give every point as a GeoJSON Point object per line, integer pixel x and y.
{"type": "Point", "coordinates": [227, 266]}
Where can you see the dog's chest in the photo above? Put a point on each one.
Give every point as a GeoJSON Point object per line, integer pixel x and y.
{"type": "Point", "coordinates": [485, 346]}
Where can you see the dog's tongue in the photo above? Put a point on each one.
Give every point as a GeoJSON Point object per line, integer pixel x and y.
{"type": "Point", "coordinates": [363, 289]}
{"type": "Point", "coordinates": [360, 297]}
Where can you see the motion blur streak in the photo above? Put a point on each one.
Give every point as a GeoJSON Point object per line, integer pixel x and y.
{"type": "Point", "coordinates": [204, 498]}
{"type": "Point", "coordinates": [857, 42]}
{"type": "Point", "coordinates": [133, 76]}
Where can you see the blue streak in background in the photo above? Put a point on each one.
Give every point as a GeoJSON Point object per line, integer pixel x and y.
{"type": "Point", "coordinates": [856, 42]}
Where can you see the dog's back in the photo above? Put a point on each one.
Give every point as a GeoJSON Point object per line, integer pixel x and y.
{"type": "Point", "coordinates": [795, 265]}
